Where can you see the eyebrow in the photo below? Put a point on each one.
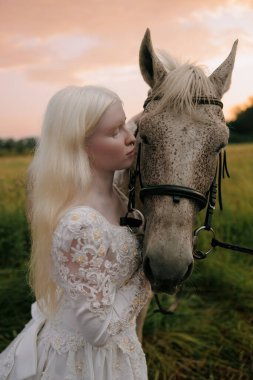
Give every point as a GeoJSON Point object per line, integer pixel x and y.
{"type": "Point", "coordinates": [118, 124]}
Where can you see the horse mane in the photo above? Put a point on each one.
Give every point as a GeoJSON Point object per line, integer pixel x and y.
{"type": "Point", "coordinates": [182, 84]}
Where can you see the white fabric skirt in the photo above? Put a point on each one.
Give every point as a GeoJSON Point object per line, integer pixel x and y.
{"type": "Point", "coordinates": [42, 352]}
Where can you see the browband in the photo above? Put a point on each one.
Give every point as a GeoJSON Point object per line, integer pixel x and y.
{"type": "Point", "coordinates": [201, 100]}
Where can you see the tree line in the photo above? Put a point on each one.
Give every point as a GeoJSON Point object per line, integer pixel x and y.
{"type": "Point", "coordinates": [241, 130]}
{"type": "Point", "coordinates": [17, 147]}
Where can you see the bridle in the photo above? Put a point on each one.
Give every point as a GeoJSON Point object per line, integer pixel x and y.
{"type": "Point", "coordinates": [177, 192]}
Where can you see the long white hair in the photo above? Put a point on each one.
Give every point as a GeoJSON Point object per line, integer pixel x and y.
{"type": "Point", "coordinates": [59, 173]}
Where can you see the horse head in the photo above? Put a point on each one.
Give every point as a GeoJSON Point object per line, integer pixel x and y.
{"type": "Point", "coordinates": [180, 139]}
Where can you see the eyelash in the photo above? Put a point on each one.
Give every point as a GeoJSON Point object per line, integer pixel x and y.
{"type": "Point", "coordinates": [221, 146]}
{"type": "Point", "coordinates": [116, 132]}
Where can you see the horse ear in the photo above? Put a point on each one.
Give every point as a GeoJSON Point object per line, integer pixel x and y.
{"type": "Point", "coordinates": [151, 67]}
{"type": "Point", "coordinates": [221, 77]}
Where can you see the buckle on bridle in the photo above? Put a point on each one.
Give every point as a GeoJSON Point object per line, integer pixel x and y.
{"type": "Point", "coordinates": [129, 221]}
{"type": "Point", "coordinates": [132, 222]}
{"type": "Point", "coordinates": [199, 254]}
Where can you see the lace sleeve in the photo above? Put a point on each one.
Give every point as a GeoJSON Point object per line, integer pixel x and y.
{"type": "Point", "coordinates": [83, 269]}
{"type": "Point", "coordinates": [79, 252]}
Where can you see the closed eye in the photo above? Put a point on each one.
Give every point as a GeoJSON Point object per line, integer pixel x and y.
{"type": "Point", "coordinates": [220, 147]}
{"type": "Point", "coordinates": [115, 131]}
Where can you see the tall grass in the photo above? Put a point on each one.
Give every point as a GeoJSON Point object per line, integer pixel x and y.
{"type": "Point", "coordinates": [210, 336]}
{"type": "Point", "coordinates": [15, 295]}
{"type": "Point", "coordinates": [14, 232]}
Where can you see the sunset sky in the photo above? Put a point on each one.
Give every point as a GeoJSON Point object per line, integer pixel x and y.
{"type": "Point", "coordinates": [48, 44]}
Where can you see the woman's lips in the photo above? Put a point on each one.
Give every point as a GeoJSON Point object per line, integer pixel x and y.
{"type": "Point", "coordinates": [130, 153]}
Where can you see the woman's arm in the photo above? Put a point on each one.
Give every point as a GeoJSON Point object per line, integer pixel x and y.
{"type": "Point", "coordinates": [83, 270]}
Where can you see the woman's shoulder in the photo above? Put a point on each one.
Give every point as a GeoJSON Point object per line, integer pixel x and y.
{"type": "Point", "coordinates": [85, 215]}
{"type": "Point", "coordinates": [77, 217]}
{"type": "Point", "coordinates": [78, 222]}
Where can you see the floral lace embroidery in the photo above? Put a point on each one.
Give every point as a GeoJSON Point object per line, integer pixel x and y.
{"type": "Point", "coordinates": [60, 339]}
{"type": "Point", "coordinates": [63, 341]}
{"type": "Point", "coordinates": [141, 290]}
{"type": "Point", "coordinates": [94, 258]}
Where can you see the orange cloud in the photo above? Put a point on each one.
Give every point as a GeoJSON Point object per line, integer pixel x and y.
{"type": "Point", "coordinates": [27, 28]}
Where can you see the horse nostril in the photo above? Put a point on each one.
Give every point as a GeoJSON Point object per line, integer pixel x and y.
{"type": "Point", "coordinates": [189, 271]}
{"type": "Point", "coordinates": [147, 269]}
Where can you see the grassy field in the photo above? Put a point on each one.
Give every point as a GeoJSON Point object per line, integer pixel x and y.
{"type": "Point", "coordinates": [210, 336]}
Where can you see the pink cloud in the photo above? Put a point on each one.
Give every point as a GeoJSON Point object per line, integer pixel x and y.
{"type": "Point", "coordinates": [28, 27]}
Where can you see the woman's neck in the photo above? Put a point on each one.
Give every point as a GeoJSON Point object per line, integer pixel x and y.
{"type": "Point", "coordinates": [101, 191]}
{"type": "Point", "coordinates": [102, 184]}
{"type": "Point", "coordinates": [103, 197]}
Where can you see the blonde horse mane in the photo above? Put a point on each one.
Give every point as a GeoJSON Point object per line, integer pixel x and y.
{"type": "Point", "coordinates": [182, 84]}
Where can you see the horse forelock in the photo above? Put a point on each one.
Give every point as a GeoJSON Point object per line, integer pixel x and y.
{"type": "Point", "coordinates": [182, 84]}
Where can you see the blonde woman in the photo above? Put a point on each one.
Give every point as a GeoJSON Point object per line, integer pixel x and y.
{"type": "Point", "coordinates": [85, 269]}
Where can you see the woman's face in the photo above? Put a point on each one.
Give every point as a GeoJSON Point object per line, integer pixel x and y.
{"type": "Point", "coordinates": [111, 146]}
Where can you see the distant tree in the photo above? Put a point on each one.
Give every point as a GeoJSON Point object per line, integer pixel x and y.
{"type": "Point", "coordinates": [9, 144]}
{"type": "Point", "coordinates": [13, 147]}
{"type": "Point", "coordinates": [241, 127]}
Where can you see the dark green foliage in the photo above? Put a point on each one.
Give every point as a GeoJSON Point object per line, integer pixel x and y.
{"type": "Point", "coordinates": [244, 121]}
{"type": "Point", "coordinates": [236, 137]}
{"type": "Point", "coordinates": [17, 147]}
{"type": "Point", "coordinates": [241, 128]}
{"type": "Point", "coordinates": [14, 230]}
{"type": "Point", "coordinates": [15, 303]}
{"type": "Point", "coordinates": [15, 294]}
{"type": "Point", "coordinates": [14, 238]}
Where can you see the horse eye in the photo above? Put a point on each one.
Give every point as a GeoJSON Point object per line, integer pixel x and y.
{"type": "Point", "coordinates": [221, 146]}
{"type": "Point", "coordinates": [144, 139]}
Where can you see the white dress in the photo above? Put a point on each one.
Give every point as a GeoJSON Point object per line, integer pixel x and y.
{"type": "Point", "coordinates": [92, 336]}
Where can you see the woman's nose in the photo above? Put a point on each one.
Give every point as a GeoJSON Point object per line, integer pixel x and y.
{"type": "Point", "coordinates": [130, 138]}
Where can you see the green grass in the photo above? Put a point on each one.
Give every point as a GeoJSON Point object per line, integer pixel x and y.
{"type": "Point", "coordinates": [15, 303]}
{"type": "Point", "coordinates": [14, 167]}
{"type": "Point", "coordinates": [15, 295]}
{"type": "Point", "coordinates": [210, 336]}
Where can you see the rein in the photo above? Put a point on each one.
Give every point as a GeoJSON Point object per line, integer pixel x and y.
{"type": "Point", "coordinates": [178, 192]}
{"type": "Point", "coordinates": [220, 173]}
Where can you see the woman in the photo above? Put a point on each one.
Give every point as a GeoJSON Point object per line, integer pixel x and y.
{"type": "Point", "coordinates": [85, 269]}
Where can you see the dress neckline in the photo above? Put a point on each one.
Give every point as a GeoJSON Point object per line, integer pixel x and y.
{"type": "Point", "coordinates": [101, 215]}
